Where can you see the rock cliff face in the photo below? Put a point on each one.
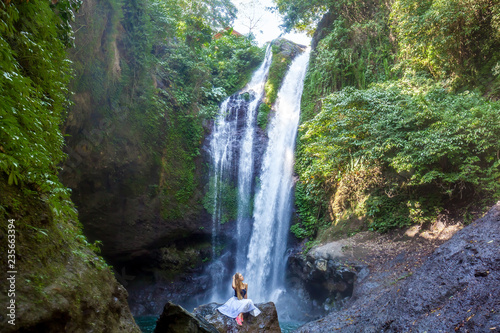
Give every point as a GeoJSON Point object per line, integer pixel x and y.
{"type": "Point", "coordinates": [456, 288]}
{"type": "Point", "coordinates": [124, 187]}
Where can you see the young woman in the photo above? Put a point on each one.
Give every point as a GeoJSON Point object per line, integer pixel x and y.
{"type": "Point", "coordinates": [239, 303]}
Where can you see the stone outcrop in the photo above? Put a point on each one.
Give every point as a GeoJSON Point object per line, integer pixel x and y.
{"type": "Point", "coordinates": [456, 289]}
{"type": "Point", "coordinates": [266, 322]}
{"type": "Point", "coordinates": [288, 48]}
{"type": "Point", "coordinates": [175, 319]}
{"type": "Point", "coordinates": [324, 276]}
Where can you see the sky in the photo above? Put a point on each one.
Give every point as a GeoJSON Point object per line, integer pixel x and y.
{"type": "Point", "coordinates": [267, 28]}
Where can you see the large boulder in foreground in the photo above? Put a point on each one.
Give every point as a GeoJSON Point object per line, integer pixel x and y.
{"type": "Point", "coordinates": [267, 321]}
{"type": "Point", "coordinates": [175, 319]}
{"type": "Point", "coordinates": [457, 289]}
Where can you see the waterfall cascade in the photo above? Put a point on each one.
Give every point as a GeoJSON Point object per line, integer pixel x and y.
{"type": "Point", "coordinates": [232, 140]}
{"type": "Point", "coordinates": [273, 200]}
{"type": "Point", "coordinates": [263, 206]}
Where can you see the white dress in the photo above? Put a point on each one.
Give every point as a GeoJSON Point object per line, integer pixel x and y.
{"type": "Point", "coordinates": [234, 306]}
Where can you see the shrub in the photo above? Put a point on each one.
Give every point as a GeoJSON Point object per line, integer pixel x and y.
{"type": "Point", "coordinates": [418, 132]}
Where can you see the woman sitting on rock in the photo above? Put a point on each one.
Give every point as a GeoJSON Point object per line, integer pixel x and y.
{"type": "Point", "coordinates": [239, 303]}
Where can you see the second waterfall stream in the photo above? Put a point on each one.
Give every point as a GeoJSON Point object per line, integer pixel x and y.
{"type": "Point", "coordinates": [251, 184]}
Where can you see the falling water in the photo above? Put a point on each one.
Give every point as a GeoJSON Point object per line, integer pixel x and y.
{"type": "Point", "coordinates": [224, 148]}
{"type": "Point", "coordinates": [221, 151]}
{"type": "Point", "coordinates": [246, 164]}
{"type": "Point", "coordinates": [272, 207]}
{"type": "Point", "coordinates": [262, 228]}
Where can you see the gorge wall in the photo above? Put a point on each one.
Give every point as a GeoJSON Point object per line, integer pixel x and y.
{"type": "Point", "coordinates": [134, 132]}
{"type": "Point", "coordinates": [56, 281]}
{"type": "Point", "coordinates": [133, 191]}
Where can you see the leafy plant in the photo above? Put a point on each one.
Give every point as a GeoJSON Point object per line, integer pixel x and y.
{"type": "Point", "coordinates": [457, 41]}
{"type": "Point", "coordinates": [413, 129]}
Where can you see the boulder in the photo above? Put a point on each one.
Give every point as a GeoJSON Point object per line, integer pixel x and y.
{"type": "Point", "coordinates": [324, 276]}
{"type": "Point", "coordinates": [175, 319]}
{"type": "Point", "coordinates": [267, 321]}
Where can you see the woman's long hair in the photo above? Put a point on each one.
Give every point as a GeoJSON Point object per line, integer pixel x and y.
{"type": "Point", "coordinates": [239, 285]}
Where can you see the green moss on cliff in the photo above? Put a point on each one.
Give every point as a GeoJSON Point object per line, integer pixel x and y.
{"type": "Point", "coordinates": [277, 72]}
{"type": "Point", "coordinates": [60, 282]}
{"type": "Point", "coordinates": [263, 115]}
{"type": "Point", "coordinates": [226, 194]}
{"type": "Point", "coordinates": [161, 75]}
{"type": "Point", "coordinates": [284, 52]}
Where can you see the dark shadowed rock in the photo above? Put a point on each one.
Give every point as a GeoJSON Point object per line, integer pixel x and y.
{"type": "Point", "coordinates": [457, 289]}
{"type": "Point", "coordinates": [175, 319]}
{"type": "Point", "coordinates": [267, 321]}
{"type": "Point", "coordinates": [325, 278]}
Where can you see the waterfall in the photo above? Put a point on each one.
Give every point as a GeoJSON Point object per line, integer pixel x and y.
{"type": "Point", "coordinates": [246, 165]}
{"type": "Point", "coordinates": [273, 204]}
{"type": "Point", "coordinates": [263, 210]}
{"type": "Point", "coordinates": [221, 153]}
{"type": "Point", "coordinates": [225, 149]}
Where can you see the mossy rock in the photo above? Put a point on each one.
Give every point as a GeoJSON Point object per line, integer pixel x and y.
{"type": "Point", "coordinates": [263, 115]}
{"type": "Point", "coordinates": [61, 284]}
{"type": "Point", "coordinates": [284, 51]}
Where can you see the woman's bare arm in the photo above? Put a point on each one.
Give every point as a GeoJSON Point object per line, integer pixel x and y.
{"type": "Point", "coordinates": [246, 287]}
{"type": "Point", "coordinates": [234, 284]}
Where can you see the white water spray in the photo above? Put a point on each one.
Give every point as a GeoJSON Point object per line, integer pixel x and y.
{"type": "Point", "coordinates": [223, 143]}
{"type": "Point", "coordinates": [272, 208]}
{"type": "Point", "coordinates": [246, 161]}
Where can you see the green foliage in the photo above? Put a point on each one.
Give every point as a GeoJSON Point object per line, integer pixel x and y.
{"type": "Point", "coordinates": [33, 40]}
{"type": "Point", "coordinates": [432, 139]}
{"type": "Point", "coordinates": [310, 209]}
{"type": "Point", "coordinates": [356, 50]}
{"type": "Point", "coordinates": [34, 36]}
{"type": "Point", "coordinates": [222, 196]}
{"type": "Point", "coordinates": [34, 94]}
{"type": "Point", "coordinates": [232, 60]}
{"type": "Point", "coordinates": [457, 41]}
{"type": "Point", "coordinates": [301, 15]}
{"type": "Point", "coordinates": [415, 129]}
{"type": "Point", "coordinates": [263, 115]}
